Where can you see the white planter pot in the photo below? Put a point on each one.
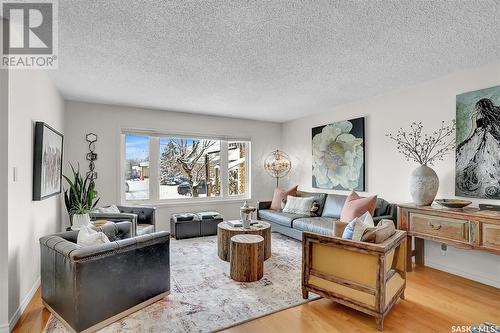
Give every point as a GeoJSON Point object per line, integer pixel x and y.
{"type": "Point", "coordinates": [80, 220]}
{"type": "Point", "coordinates": [424, 184]}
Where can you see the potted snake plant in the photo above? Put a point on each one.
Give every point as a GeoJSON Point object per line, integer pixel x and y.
{"type": "Point", "coordinates": [80, 198]}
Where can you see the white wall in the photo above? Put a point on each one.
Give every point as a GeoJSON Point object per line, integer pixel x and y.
{"type": "Point", "coordinates": [4, 175]}
{"type": "Point", "coordinates": [32, 97]}
{"type": "Point", "coordinates": [107, 121]}
{"type": "Point", "coordinates": [387, 173]}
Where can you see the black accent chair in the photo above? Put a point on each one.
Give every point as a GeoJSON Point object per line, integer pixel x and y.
{"type": "Point", "coordinates": [90, 287]}
{"type": "Point", "coordinates": [143, 218]}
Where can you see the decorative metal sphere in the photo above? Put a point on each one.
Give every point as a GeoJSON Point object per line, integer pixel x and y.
{"type": "Point", "coordinates": [277, 164]}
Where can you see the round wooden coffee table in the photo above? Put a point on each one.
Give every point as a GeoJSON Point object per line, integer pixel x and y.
{"type": "Point", "coordinates": [247, 258]}
{"type": "Point", "coordinates": [226, 231]}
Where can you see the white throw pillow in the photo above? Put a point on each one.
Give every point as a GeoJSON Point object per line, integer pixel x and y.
{"type": "Point", "coordinates": [298, 205]}
{"type": "Point", "coordinates": [88, 236]}
{"type": "Point", "coordinates": [362, 223]}
{"type": "Point", "coordinates": [109, 210]}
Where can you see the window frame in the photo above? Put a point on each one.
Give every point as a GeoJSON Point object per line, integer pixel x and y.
{"type": "Point", "coordinates": [247, 168]}
{"type": "Point", "coordinates": [154, 165]}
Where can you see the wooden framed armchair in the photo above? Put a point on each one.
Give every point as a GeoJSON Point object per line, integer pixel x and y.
{"type": "Point", "coordinates": [365, 276]}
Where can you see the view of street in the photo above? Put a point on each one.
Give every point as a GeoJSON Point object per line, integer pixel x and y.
{"type": "Point", "coordinates": [139, 190]}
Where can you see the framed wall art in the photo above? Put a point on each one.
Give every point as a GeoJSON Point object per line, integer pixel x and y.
{"type": "Point", "coordinates": [338, 155]}
{"type": "Point", "coordinates": [47, 162]}
{"type": "Point", "coordinates": [477, 172]}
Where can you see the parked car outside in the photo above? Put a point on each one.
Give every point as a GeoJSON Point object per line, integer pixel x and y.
{"type": "Point", "coordinates": [173, 181]}
{"type": "Point", "coordinates": [185, 189]}
{"type": "Point", "coordinates": [170, 181]}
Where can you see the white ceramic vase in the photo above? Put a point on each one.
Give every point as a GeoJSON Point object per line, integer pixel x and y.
{"type": "Point", "coordinates": [80, 220]}
{"type": "Point", "coordinates": [424, 184]}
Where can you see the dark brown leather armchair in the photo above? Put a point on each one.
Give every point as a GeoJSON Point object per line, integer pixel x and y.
{"type": "Point", "coordinates": [90, 287]}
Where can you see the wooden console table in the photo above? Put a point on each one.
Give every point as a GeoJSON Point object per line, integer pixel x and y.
{"type": "Point", "coordinates": [467, 228]}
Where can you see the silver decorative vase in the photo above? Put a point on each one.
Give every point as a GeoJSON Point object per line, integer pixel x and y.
{"type": "Point", "coordinates": [424, 184]}
{"type": "Point", "coordinates": [246, 213]}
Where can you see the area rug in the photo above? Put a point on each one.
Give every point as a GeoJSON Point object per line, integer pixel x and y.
{"type": "Point", "coordinates": [203, 297]}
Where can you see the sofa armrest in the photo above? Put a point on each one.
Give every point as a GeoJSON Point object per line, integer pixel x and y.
{"type": "Point", "coordinates": [93, 251]}
{"type": "Point", "coordinates": [377, 219]}
{"type": "Point", "coordinates": [59, 246]}
{"type": "Point", "coordinates": [118, 230]}
{"type": "Point", "coordinates": [114, 217]}
{"type": "Point", "coordinates": [117, 217]}
{"type": "Point", "coordinates": [264, 205]}
{"type": "Point", "coordinates": [57, 269]}
{"type": "Point", "coordinates": [145, 215]}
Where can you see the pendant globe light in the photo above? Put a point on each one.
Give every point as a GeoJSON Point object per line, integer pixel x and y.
{"type": "Point", "coordinates": [277, 164]}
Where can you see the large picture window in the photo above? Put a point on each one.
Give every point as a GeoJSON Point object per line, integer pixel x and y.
{"type": "Point", "coordinates": [189, 168]}
{"type": "Point", "coordinates": [162, 168]}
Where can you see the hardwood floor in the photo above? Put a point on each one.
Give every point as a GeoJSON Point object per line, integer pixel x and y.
{"type": "Point", "coordinates": [34, 317]}
{"type": "Point", "coordinates": [435, 301]}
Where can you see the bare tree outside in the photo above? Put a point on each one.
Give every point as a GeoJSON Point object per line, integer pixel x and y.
{"type": "Point", "coordinates": [192, 158]}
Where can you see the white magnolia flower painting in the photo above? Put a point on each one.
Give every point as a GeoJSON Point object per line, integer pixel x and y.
{"type": "Point", "coordinates": [338, 155]}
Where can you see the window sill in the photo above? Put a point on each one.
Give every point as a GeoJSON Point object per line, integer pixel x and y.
{"type": "Point", "coordinates": [187, 202]}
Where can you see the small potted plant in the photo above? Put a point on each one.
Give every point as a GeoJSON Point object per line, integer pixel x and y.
{"type": "Point", "coordinates": [425, 149]}
{"type": "Point", "coordinates": [80, 198]}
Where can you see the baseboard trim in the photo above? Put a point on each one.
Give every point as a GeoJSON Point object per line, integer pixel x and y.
{"type": "Point", "coordinates": [24, 304]}
{"type": "Point", "coordinates": [465, 274]}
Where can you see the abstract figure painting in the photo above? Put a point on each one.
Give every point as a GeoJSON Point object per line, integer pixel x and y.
{"type": "Point", "coordinates": [338, 155]}
{"type": "Point", "coordinates": [47, 162]}
{"type": "Point", "coordinates": [477, 171]}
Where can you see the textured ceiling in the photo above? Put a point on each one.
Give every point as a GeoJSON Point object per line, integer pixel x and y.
{"type": "Point", "coordinates": [273, 60]}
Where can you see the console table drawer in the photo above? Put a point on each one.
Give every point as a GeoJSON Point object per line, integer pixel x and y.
{"type": "Point", "coordinates": [437, 226]}
{"type": "Point", "coordinates": [491, 236]}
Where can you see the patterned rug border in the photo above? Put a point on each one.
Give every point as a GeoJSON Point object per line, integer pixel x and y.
{"type": "Point", "coordinates": [310, 299]}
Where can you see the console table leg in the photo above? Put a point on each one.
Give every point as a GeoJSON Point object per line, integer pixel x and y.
{"type": "Point", "coordinates": [409, 253]}
{"type": "Point", "coordinates": [419, 251]}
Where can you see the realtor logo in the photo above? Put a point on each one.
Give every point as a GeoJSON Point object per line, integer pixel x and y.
{"type": "Point", "coordinates": [29, 38]}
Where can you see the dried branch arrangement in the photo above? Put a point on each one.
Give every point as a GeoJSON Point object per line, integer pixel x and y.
{"type": "Point", "coordinates": [424, 148]}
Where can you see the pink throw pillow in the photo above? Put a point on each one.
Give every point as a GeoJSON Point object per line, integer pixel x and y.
{"type": "Point", "coordinates": [280, 194]}
{"type": "Point", "coordinates": [355, 206]}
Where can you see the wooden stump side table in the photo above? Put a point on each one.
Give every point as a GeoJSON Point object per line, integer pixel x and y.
{"type": "Point", "coordinates": [247, 258]}
{"type": "Point", "coordinates": [225, 231]}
